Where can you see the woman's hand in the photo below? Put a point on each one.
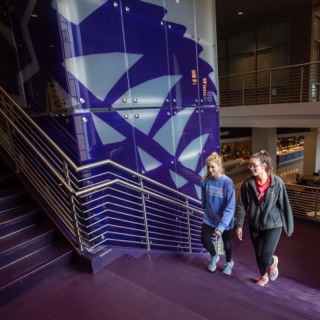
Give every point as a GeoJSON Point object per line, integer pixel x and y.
{"type": "Point", "coordinates": [239, 233]}
{"type": "Point", "coordinates": [217, 233]}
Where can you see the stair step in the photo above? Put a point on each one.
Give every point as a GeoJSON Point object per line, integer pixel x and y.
{"type": "Point", "coordinates": [11, 198]}
{"type": "Point", "coordinates": [17, 245]}
{"type": "Point", "coordinates": [7, 180]}
{"type": "Point", "coordinates": [48, 259]}
{"type": "Point", "coordinates": [30, 246]}
{"type": "Point", "coordinates": [18, 217]}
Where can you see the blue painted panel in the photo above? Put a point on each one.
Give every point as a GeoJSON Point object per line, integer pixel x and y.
{"type": "Point", "coordinates": [182, 51]}
{"type": "Point", "coordinates": [209, 128]}
{"type": "Point", "coordinates": [138, 78]}
{"type": "Point", "coordinates": [197, 140]}
{"type": "Point", "coordinates": [107, 135]}
{"type": "Point", "coordinates": [145, 37]}
{"type": "Point", "coordinates": [97, 58]}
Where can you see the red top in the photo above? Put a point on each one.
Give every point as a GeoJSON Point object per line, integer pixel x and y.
{"type": "Point", "coordinates": [262, 189]}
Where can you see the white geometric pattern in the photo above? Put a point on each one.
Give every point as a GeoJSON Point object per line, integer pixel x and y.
{"type": "Point", "coordinates": [148, 162]}
{"type": "Point", "coordinates": [178, 180]}
{"type": "Point", "coordinates": [106, 133]}
{"type": "Point", "coordinates": [77, 10]}
{"type": "Point", "coordinates": [191, 154]}
{"type": "Point", "coordinates": [179, 122]}
{"type": "Point", "coordinates": [90, 69]}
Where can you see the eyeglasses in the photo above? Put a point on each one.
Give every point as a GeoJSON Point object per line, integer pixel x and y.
{"type": "Point", "coordinates": [254, 165]}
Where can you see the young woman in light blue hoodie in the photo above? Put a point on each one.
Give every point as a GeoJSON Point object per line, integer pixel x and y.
{"type": "Point", "coordinates": [218, 202]}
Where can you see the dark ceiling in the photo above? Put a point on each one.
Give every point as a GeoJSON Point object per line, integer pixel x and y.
{"type": "Point", "coordinates": [227, 10]}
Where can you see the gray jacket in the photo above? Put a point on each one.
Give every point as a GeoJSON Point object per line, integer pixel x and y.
{"type": "Point", "coordinates": [274, 212]}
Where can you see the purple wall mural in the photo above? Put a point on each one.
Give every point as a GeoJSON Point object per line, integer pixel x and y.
{"type": "Point", "coordinates": [130, 80]}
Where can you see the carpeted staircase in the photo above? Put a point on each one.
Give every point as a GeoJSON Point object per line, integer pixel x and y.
{"type": "Point", "coordinates": [30, 247]}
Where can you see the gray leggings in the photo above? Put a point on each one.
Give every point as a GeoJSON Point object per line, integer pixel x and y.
{"type": "Point", "coordinates": [265, 243]}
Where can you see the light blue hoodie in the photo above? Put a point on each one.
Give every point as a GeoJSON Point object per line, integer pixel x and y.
{"type": "Point", "coordinates": [218, 202]}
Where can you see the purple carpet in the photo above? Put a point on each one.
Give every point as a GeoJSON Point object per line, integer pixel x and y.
{"type": "Point", "coordinates": [165, 286]}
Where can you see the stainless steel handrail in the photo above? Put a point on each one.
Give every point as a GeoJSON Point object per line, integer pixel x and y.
{"type": "Point", "coordinates": [82, 168]}
{"type": "Point", "coordinates": [99, 209]}
{"type": "Point", "coordinates": [35, 150]}
{"type": "Point", "coordinates": [304, 200]}
{"type": "Point", "coordinates": [43, 135]}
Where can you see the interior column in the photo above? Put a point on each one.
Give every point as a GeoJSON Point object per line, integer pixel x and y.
{"type": "Point", "coordinates": [311, 162]}
{"type": "Point", "coordinates": [265, 139]}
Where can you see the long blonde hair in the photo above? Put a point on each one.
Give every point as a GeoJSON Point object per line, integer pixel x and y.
{"type": "Point", "coordinates": [215, 157]}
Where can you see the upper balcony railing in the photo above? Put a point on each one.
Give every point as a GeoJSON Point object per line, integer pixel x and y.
{"type": "Point", "coordinates": [290, 84]}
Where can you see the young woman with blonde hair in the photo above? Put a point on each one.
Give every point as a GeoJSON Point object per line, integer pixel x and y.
{"type": "Point", "coordinates": [218, 201]}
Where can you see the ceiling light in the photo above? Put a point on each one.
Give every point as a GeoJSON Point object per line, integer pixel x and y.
{"type": "Point", "coordinates": [240, 13]}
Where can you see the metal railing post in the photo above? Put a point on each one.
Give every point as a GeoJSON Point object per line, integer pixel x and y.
{"type": "Point", "coordinates": [270, 87]}
{"type": "Point", "coordinates": [316, 208]}
{"type": "Point", "coordinates": [9, 131]}
{"type": "Point", "coordinates": [301, 83]}
{"type": "Point", "coordinates": [72, 206]}
{"type": "Point", "coordinates": [145, 216]}
{"type": "Point", "coordinates": [243, 91]}
{"type": "Point", "coordinates": [189, 227]}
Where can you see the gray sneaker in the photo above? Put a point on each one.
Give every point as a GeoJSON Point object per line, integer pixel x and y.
{"type": "Point", "coordinates": [273, 269]}
{"type": "Point", "coordinates": [228, 267]}
{"type": "Point", "coordinates": [213, 263]}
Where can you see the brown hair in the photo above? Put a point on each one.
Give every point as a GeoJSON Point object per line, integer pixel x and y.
{"type": "Point", "coordinates": [215, 157]}
{"type": "Point", "coordinates": [264, 157]}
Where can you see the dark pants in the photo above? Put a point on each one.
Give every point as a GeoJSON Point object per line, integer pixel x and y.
{"type": "Point", "coordinates": [265, 243]}
{"type": "Point", "coordinates": [206, 240]}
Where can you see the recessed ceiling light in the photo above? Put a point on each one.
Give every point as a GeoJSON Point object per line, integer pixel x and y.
{"type": "Point", "coordinates": [240, 13]}
{"type": "Point", "coordinates": [34, 15]}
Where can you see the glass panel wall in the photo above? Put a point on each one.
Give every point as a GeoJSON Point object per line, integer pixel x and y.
{"type": "Point", "coordinates": [265, 47]}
